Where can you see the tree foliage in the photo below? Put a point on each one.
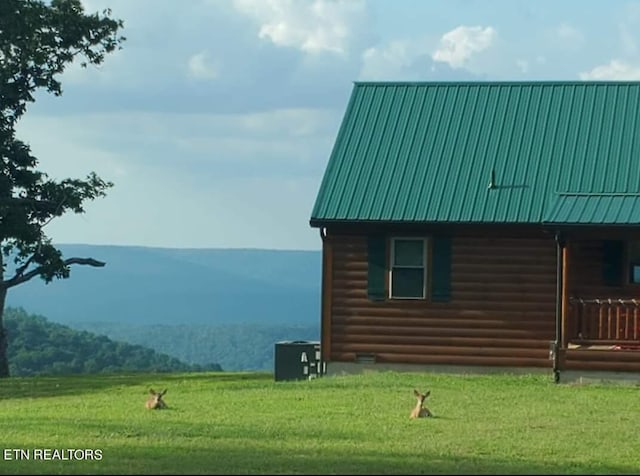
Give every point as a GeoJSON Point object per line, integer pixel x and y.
{"type": "Point", "coordinates": [41, 347]}
{"type": "Point", "coordinates": [38, 40]}
{"type": "Point", "coordinates": [236, 347]}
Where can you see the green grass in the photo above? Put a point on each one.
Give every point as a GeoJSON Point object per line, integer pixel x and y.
{"type": "Point", "coordinates": [245, 423]}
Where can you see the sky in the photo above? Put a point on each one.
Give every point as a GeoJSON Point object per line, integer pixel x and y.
{"type": "Point", "coordinates": [216, 119]}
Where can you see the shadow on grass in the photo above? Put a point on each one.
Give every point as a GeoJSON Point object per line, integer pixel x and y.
{"type": "Point", "coordinates": [223, 458]}
{"type": "Point", "coordinates": [40, 387]}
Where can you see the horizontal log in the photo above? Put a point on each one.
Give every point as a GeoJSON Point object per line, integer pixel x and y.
{"type": "Point", "coordinates": [348, 274]}
{"type": "Point", "coordinates": [443, 311]}
{"type": "Point", "coordinates": [624, 342]}
{"type": "Point", "coordinates": [450, 331]}
{"type": "Point", "coordinates": [473, 240]}
{"type": "Point", "coordinates": [502, 258]}
{"type": "Point", "coordinates": [344, 299]}
{"type": "Point", "coordinates": [375, 339]}
{"type": "Point", "coordinates": [417, 317]}
{"type": "Point", "coordinates": [408, 325]}
{"type": "Point", "coordinates": [543, 280]}
{"type": "Point", "coordinates": [600, 291]}
{"type": "Point", "coordinates": [441, 350]}
{"type": "Point", "coordinates": [464, 245]}
{"type": "Point", "coordinates": [470, 239]}
{"type": "Point", "coordinates": [471, 244]}
{"type": "Point", "coordinates": [344, 290]}
{"type": "Point", "coordinates": [447, 360]}
{"type": "Point", "coordinates": [602, 366]}
{"type": "Point", "coordinates": [478, 288]}
{"type": "Point", "coordinates": [466, 270]}
{"type": "Point", "coordinates": [356, 250]}
{"type": "Point", "coordinates": [359, 256]}
{"type": "Point", "coordinates": [512, 293]}
{"type": "Point", "coordinates": [594, 355]}
{"type": "Point", "coordinates": [342, 284]}
{"type": "Point", "coordinates": [507, 263]}
{"type": "Point", "coordinates": [512, 266]}
{"type": "Point", "coordinates": [498, 333]}
{"type": "Point", "coordinates": [356, 266]}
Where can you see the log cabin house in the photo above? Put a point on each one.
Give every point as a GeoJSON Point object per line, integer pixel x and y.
{"type": "Point", "coordinates": [492, 224]}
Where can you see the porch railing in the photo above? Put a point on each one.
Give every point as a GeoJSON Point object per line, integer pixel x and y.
{"type": "Point", "coordinates": [610, 320]}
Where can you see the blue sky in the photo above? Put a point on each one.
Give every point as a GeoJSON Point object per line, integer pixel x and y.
{"type": "Point", "coordinates": [217, 118]}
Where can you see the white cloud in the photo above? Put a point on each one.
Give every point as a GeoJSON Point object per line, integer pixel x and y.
{"type": "Point", "coordinates": [615, 70]}
{"type": "Point", "coordinates": [407, 60]}
{"type": "Point", "coordinates": [200, 66]}
{"type": "Point", "coordinates": [313, 27]}
{"type": "Point", "coordinates": [569, 35]}
{"type": "Point", "coordinates": [386, 62]}
{"type": "Point", "coordinates": [459, 44]}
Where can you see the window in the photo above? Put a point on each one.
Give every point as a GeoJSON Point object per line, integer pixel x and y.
{"type": "Point", "coordinates": [634, 262]}
{"type": "Point", "coordinates": [408, 268]}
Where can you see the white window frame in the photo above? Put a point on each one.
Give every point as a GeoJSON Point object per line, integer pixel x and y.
{"type": "Point", "coordinates": [392, 266]}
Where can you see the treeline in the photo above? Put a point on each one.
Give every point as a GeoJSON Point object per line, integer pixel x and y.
{"type": "Point", "coordinates": [237, 347]}
{"type": "Point", "coordinates": [40, 347]}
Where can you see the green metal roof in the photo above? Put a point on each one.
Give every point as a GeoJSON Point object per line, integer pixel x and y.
{"type": "Point", "coordinates": [485, 152]}
{"type": "Point", "coordinates": [602, 209]}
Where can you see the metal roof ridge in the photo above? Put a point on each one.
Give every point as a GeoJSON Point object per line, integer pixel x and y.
{"type": "Point", "coordinates": [516, 82]}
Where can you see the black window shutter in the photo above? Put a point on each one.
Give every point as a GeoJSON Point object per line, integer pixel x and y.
{"type": "Point", "coordinates": [612, 262]}
{"type": "Point", "coordinates": [441, 269]}
{"type": "Point", "coordinates": [377, 257]}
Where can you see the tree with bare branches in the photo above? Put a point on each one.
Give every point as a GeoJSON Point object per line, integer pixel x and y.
{"type": "Point", "coordinates": [38, 40]}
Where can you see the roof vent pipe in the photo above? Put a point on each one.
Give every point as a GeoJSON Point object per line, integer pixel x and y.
{"type": "Point", "coordinates": [492, 181]}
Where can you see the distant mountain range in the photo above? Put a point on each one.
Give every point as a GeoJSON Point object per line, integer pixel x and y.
{"type": "Point", "coordinates": [149, 286]}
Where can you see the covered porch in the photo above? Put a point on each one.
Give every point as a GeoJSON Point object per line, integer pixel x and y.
{"type": "Point", "coordinates": [598, 280]}
{"type": "Point", "coordinates": [599, 302]}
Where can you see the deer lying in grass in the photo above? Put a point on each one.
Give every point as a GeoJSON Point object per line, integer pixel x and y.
{"type": "Point", "coordinates": [155, 401]}
{"type": "Point", "coordinates": [420, 411]}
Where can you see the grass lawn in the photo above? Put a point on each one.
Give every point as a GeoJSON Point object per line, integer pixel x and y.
{"type": "Point", "coordinates": [245, 423]}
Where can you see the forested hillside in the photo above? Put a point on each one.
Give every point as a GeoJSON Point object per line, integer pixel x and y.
{"type": "Point", "coordinates": [247, 346]}
{"type": "Point", "coordinates": [40, 347]}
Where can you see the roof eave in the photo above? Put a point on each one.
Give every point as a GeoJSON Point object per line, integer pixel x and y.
{"type": "Point", "coordinates": [324, 222]}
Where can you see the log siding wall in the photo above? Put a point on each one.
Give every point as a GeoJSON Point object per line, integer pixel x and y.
{"type": "Point", "coordinates": [501, 312]}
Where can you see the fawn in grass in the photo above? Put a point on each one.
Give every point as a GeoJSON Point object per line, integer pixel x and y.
{"type": "Point", "coordinates": [155, 401]}
{"type": "Point", "coordinates": [420, 411]}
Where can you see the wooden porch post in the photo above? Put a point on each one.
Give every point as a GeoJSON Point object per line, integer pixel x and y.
{"type": "Point", "coordinates": [557, 342]}
{"type": "Point", "coordinates": [326, 296]}
{"type": "Point", "coordinates": [567, 323]}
